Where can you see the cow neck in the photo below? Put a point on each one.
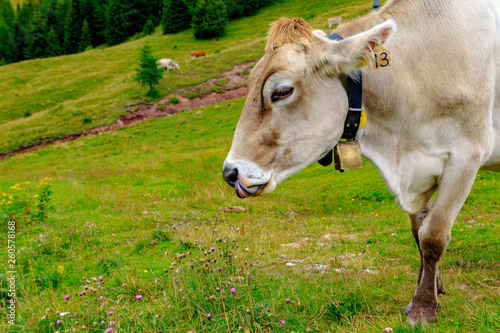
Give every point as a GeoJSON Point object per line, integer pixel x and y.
{"type": "Point", "coordinates": [355, 96]}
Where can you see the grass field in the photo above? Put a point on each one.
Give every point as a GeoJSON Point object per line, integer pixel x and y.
{"type": "Point", "coordinates": [132, 230]}
{"type": "Point", "coordinates": [44, 99]}
{"type": "Point", "coordinates": [141, 208]}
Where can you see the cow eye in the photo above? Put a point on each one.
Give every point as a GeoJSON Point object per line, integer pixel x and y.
{"type": "Point", "coordinates": [281, 93]}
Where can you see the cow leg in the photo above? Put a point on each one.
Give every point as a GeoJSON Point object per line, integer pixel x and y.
{"type": "Point", "coordinates": [434, 235]}
{"type": "Point", "coordinates": [416, 222]}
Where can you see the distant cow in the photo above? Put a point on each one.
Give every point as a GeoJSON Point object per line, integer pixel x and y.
{"type": "Point", "coordinates": [168, 64]}
{"type": "Point", "coordinates": [334, 21]}
{"type": "Point", "coordinates": [197, 53]}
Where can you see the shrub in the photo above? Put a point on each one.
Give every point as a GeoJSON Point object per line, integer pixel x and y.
{"type": "Point", "coordinates": [174, 100]}
{"type": "Point", "coordinates": [209, 19]}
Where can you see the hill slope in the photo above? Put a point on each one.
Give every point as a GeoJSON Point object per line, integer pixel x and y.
{"type": "Point", "coordinates": [49, 98]}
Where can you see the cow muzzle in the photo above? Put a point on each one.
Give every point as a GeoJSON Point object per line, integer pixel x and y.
{"type": "Point", "coordinates": [247, 181]}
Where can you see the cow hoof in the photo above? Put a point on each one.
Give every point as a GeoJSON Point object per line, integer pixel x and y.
{"type": "Point", "coordinates": [422, 318]}
{"type": "Point", "coordinates": [407, 309]}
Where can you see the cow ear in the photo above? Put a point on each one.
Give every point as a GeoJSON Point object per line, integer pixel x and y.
{"type": "Point", "coordinates": [345, 56]}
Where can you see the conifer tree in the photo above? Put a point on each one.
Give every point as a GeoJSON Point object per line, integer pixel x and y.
{"type": "Point", "coordinates": [175, 16]}
{"type": "Point", "coordinates": [147, 73]}
{"type": "Point", "coordinates": [85, 38]}
{"type": "Point", "coordinates": [116, 23]}
{"type": "Point", "coordinates": [6, 42]}
{"type": "Point", "coordinates": [71, 32]}
{"type": "Point", "coordinates": [36, 37]}
{"type": "Point", "coordinates": [7, 13]}
{"type": "Point", "coordinates": [149, 27]}
{"type": "Point", "coordinates": [209, 19]}
{"type": "Point", "coordinates": [53, 44]}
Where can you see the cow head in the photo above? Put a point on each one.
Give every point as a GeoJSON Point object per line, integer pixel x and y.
{"type": "Point", "coordinates": [296, 104]}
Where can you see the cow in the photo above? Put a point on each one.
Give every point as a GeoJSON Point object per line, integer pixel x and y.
{"type": "Point", "coordinates": [432, 113]}
{"type": "Point", "coordinates": [197, 53]}
{"type": "Point", "coordinates": [334, 21]}
{"type": "Point", "coordinates": [168, 64]}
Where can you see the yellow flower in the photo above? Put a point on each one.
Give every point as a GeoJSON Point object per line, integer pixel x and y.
{"type": "Point", "coordinates": [36, 196]}
{"type": "Point", "coordinates": [145, 271]}
{"type": "Point", "coordinates": [60, 269]}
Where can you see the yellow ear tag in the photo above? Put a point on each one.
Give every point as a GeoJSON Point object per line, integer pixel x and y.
{"type": "Point", "coordinates": [362, 120]}
{"type": "Point", "coordinates": [381, 57]}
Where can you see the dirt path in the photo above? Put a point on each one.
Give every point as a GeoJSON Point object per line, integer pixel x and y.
{"type": "Point", "coordinates": [233, 87]}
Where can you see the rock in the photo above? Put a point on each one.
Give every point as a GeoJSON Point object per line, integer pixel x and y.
{"type": "Point", "coordinates": [236, 209]}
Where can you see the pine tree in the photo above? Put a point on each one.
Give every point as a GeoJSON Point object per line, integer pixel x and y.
{"type": "Point", "coordinates": [36, 37]}
{"type": "Point", "coordinates": [85, 38]}
{"type": "Point", "coordinates": [175, 16]}
{"type": "Point", "coordinates": [210, 19]}
{"type": "Point", "coordinates": [7, 13]}
{"type": "Point", "coordinates": [149, 27]}
{"type": "Point", "coordinates": [53, 44]}
{"type": "Point", "coordinates": [71, 32]}
{"type": "Point", "coordinates": [116, 23]}
{"type": "Point", "coordinates": [6, 42]}
{"type": "Point", "coordinates": [147, 72]}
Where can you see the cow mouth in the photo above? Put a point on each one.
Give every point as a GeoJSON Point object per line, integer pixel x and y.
{"type": "Point", "coordinates": [244, 192]}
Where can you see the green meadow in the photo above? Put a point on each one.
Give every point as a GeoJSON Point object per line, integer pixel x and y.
{"type": "Point", "coordinates": [134, 230]}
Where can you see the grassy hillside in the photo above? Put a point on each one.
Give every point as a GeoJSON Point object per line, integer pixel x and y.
{"type": "Point", "coordinates": [49, 98]}
{"type": "Point", "coordinates": [141, 207]}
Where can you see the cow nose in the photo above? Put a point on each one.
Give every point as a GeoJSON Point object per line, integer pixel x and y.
{"type": "Point", "coordinates": [230, 176]}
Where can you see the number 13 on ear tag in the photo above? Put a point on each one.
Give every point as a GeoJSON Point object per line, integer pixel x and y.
{"type": "Point", "coordinates": [381, 57]}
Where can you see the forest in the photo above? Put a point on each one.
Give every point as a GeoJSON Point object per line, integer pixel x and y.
{"type": "Point", "coordinates": [50, 28]}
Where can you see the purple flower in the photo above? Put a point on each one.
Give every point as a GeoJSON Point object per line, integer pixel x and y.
{"type": "Point", "coordinates": [86, 287]}
{"type": "Point", "coordinates": [102, 322]}
{"type": "Point", "coordinates": [116, 302]}
{"type": "Point", "coordinates": [218, 288]}
{"type": "Point", "coordinates": [110, 312]}
{"type": "Point", "coordinates": [233, 290]}
{"type": "Point", "coordinates": [100, 278]}
{"type": "Point", "coordinates": [66, 297]}
{"type": "Point", "coordinates": [59, 322]}
{"type": "Point", "coordinates": [248, 310]}
{"type": "Point", "coordinates": [251, 276]}
{"type": "Point", "coordinates": [267, 309]}
{"type": "Point", "coordinates": [138, 297]}
{"type": "Point", "coordinates": [282, 322]}
{"type": "Point", "coordinates": [209, 315]}
{"type": "Point", "coordinates": [109, 329]}
{"type": "Point", "coordinates": [287, 300]}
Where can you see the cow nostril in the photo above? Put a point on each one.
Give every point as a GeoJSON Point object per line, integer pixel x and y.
{"type": "Point", "coordinates": [230, 176]}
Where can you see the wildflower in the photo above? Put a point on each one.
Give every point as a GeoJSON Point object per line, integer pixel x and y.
{"type": "Point", "coordinates": [110, 329]}
{"type": "Point", "coordinates": [251, 276]}
{"type": "Point", "coordinates": [233, 290]}
{"type": "Point", "coordinates": [267, 309]}
{"type": "Point", "coordinates": [248, 310]}
{"type": "Point", "coordinates": [209, 315]}
{"type": "Point", "coordinates": [282, 322]}
{"type": "Point", "coordinates": [66, 297]}
{"type": "Point", "coordinates": [100, 278]}
{"type": "Point", "coordinates": [60, 269]}
{"type": "Point", "coordinates": [138, 297]}
{"type": "Point", "coordinates": [59, 322]}
{"type": "Point", "coordinates": [86, 287]}
{"type": "Point", "coordinates": [145, 271]}
{"type": "Point", "coordinates": [110, 312]}
{"type": "Point", "coordinates": [287, 300]}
